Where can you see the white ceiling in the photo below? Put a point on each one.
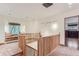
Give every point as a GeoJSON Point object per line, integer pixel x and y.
{"type": "Point", "coordinates": [34, 10]}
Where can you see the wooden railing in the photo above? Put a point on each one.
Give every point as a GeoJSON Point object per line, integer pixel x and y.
{"type": "Point", "coordinates": [45, 44]}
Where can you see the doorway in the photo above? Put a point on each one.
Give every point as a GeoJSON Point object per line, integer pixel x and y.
{"type": "Point", "coordinates": [72, 32]}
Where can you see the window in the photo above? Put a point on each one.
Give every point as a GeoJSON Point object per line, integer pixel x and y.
{"type": "Point", "coordinates": [14, 28]}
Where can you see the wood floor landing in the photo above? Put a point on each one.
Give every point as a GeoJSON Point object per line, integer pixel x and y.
{"type": "Point", "coordinates": [64, 51]}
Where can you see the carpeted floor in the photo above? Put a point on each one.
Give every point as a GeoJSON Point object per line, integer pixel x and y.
{"type": "Point", "coordinates": [9, 49]}
{"type": "Point", "coordinates": [64, 51]}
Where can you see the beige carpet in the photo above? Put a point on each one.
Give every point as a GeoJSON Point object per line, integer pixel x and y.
{"type": "Point", "coordinates": [9, 49]}
{"type": "Point", "coordinates": [64, 51]}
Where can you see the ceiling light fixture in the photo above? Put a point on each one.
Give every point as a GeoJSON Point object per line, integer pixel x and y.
{"type": "Point", "coordinates": [54, 26]}
{"type": "Point", "coordinates": [46, 5]}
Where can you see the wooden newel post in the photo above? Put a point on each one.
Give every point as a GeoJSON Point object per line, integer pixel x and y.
{"type": "Point", "coordinates": [22, 43]}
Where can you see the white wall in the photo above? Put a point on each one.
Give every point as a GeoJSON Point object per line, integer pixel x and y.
{"type": "Point", "coordinates": [49, 28]}
{"type": "Point", "coordinates": [2, 29]}
{"type": "Point", "coordinates": [33, 26]}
